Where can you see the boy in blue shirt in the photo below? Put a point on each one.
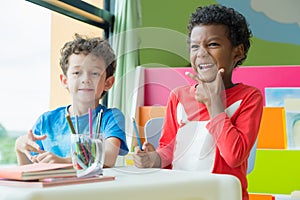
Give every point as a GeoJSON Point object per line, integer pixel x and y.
{"type": "Point", "coordinates": [88, 65]}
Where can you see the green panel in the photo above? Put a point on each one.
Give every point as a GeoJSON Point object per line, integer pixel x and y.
{"type": "Point", "coordinates": [174, 15]}
{"type": "Point", "coordinates": [169, 14]}
{"type": "Point", "coordinates": [275, 171]}
{"type": "Point", "coordinates": [270, 53]}
{"type": "Point", "coordinates": [161, 58]}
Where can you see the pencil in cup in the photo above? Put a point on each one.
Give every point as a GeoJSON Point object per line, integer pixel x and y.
{"type": "Point", "coordinates": [71, 126]}
{"type": "Point", "coordinates": [86, 151]}
{"type": "Point", "coordinates": [98, 123]}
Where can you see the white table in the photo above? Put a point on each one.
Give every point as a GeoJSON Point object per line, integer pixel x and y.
{"type": "Point", "coordinates": [286, 197]}
{"type": "Point", "coordinates": [138, 184]}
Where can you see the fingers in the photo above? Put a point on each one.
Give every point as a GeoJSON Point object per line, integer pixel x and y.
{"type": "Point", "coordinates": [148, 147]}
{"type": "Point", "coordinates": [220, 74]}
{"type": "Point", "coordinates": [36, 137]}
{"type": "Point", "coordinates": [143, 162]}
{"type": "Point", "coordinates": [43, 157]}
{"type": "Point", "coordinates": [138, 157]}
{"type": "Point", "coordinates": [46, 157]}
{"type": "Point", "coordinates": [193, 76]}
{"type": "Point", "coordinates": [40, 137]}
{"type": "Point", "coordinates": [32, 146]}
{"type": "Point", "coordinates": [142, 158]}
{"type": "Point", "coordinates": [199, 80]}
{"type": "Point", "coordinates": [30, 135]}
{"type": "Point", "coordinates": [26, 144]}
{"type": "Point", "coordinates": [137, 149]}
{"type": "Point", "coordinates": [221, 71]}
{"type": "Point", "coordinates": [29, 156]}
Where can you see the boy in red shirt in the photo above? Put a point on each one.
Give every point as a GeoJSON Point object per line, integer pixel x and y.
{"type": "Point", "coordinates": [210, 126]}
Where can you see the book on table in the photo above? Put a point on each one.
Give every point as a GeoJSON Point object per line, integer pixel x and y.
{"type": "Point", "coordinates": [44, 175]}
{"type": "Point", "coordinates": [51, 182]}
{"type": "Point", "coordinates": [37, 171]}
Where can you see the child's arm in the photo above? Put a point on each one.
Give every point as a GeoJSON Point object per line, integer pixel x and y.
{"type": "Point", "coordinates": [112, 148]}
{"type": "Point", "coordinates": [24, 145]}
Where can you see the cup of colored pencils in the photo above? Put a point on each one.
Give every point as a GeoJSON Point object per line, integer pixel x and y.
{"type": "Point", "coordinates": [87, 152]}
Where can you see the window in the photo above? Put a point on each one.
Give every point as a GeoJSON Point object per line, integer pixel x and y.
{"type": "Point", "coordinates": [24, 71]}
{"type": "Point", "coordinates": [26, 56]}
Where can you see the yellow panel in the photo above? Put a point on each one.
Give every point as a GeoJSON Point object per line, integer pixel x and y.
{"type": "Point", "coordinates": [63, 29]}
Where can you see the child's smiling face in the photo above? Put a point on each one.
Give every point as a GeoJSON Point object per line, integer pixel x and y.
{"type": "Point", "coordinates": [211, 50]}
{"type": "Point", "coordinates": [86, 77]}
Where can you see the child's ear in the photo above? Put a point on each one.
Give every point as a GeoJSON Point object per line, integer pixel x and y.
{"type": "Point", "coordinates": [109, 83]}
{"type": "Point", "coordinates": [63, 80]}
{"type": "Point", "coordinates": [239, 53]}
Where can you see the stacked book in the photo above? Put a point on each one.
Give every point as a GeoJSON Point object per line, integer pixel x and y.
{"type": "Point", "coordinates": [44, 175]}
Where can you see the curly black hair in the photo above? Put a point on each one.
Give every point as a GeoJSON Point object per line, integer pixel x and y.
{"type": "Point", "coordinates": [95, 46]}
{"type": "Point", "coordinates": [239, 31]}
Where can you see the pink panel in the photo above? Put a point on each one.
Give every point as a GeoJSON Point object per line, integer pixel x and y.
{"type": "Point", "coordinates": [268, 76]}
{"type": "Point", "coordinates": [159, 82]}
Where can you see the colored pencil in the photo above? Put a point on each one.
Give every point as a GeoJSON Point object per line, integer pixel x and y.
{"type": "Point", "coordinates": [91, 122]}
{"type": "Point", "coordinates": [137, 134]}
{"type": "Point", "coordinates": [77, 123]}
{"type": "Point", "coordinates": [70, 124]}
{"type": "Point", "coordinates": [99, 120]}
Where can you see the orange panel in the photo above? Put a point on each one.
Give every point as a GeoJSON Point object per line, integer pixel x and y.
{"type": "Point", "coordinates": [149, 112]}
{"type": "Point", "coordinates": [261, 197]}
{"type": "Point", "coordinates": [146, 113]}
{"type": "Point", "coordinates": [272, 132]}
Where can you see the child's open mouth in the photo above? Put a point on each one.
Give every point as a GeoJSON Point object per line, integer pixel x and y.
{"type": "Point", "coordinates": [205, 66]}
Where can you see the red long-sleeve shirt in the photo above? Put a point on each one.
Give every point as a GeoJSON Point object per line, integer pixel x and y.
{"type": "Point", "coordinates": [234, 131]}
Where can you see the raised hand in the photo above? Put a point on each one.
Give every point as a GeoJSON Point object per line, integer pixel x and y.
{"type": "Point", "coordinates": [210, 93]}
{"type": "Point", "coordinates": [25, 144]}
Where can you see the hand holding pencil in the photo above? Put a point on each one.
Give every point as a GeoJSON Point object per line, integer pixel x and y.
{"type": "Point", "coordinates": [147, 157]}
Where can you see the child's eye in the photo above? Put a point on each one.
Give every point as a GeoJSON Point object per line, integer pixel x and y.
{"type": "Point", "coordinates": [75, 73]}
{"type": "Point", "coordinates": [194, 46]}
{"type": "Point", "coordinates": [95, 73]}
{"type": "Point", "coordinates": [213, 44]}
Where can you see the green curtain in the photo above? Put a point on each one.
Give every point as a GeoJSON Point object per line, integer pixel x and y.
{"type": "Point", "coordinates": [125, 42]}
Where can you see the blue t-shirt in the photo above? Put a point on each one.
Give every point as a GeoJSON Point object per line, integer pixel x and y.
{"type": "Point", "coordinates": [54, 124]}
